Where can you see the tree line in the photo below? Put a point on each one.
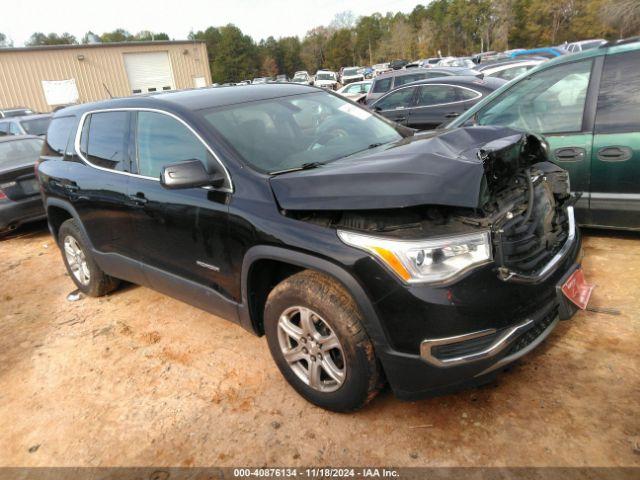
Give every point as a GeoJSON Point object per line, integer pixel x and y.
{"type": "Point", "coordinates": [439, 27]}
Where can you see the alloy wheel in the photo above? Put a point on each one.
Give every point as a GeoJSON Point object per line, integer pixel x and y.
{"type": "Point", "coordinates": [311, 349]}
{"type": "Point", "coordinates": [77, 260]}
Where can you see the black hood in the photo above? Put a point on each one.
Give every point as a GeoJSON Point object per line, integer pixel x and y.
{"type": "Point", "coordinates": [439, 168]}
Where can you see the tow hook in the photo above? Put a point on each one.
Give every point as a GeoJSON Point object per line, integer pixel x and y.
{"type": "Point", "coordinates": [505, 274]}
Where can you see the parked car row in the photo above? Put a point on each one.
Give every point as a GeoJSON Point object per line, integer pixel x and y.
{"type": "Point", "coordinates": [20, 200]}
{"type": "Point", "coordinates": [32, 124]}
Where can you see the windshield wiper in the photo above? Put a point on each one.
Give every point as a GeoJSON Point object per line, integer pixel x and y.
{"type": "Point", "coordinates": [370, 147]}
{"type": "Point", "coordinates": [304, 166]}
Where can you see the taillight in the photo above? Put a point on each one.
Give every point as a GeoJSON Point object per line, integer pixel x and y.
{"type": "Point", "coordinates": [2, 195]}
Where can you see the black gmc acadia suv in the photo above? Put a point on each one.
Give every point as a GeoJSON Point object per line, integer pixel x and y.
{"type": "Point", "coordinates": [366, 252]}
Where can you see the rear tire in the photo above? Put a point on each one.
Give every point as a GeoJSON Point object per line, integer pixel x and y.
{"type": "Point", "coordinates": [316, 337]}
{"type": "Point", "coordinates": [82, 268]}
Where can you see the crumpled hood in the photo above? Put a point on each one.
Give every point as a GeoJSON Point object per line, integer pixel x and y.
{"type": "Point", "coordinates": [438, 168]}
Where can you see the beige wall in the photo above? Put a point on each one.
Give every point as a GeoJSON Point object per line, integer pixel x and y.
{"type": "Point", "coordinates": [22, 71]}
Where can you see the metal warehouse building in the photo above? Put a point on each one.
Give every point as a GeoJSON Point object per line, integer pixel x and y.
{"type": "Point", "coordinates": [42, 78]}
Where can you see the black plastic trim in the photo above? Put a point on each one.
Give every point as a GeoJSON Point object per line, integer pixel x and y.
{"type": "Point", "coordinates": [265, 252]}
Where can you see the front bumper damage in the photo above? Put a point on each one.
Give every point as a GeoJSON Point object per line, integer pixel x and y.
{"type": "Point", "coordinates": [451, 363]}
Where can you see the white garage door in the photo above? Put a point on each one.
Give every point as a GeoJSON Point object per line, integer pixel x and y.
{"type": "Point", "coordinates": [149, 72]}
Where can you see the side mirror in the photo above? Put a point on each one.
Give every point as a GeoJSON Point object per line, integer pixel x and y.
{"type": "Point", "coordinates": [189, 174]}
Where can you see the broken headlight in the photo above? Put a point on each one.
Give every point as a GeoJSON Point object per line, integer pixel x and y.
{"type": "Point", "coordinates": [425, 261]}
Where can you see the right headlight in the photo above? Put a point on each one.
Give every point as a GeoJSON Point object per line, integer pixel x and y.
{"type": "Point", "coordinates": [425, 261]}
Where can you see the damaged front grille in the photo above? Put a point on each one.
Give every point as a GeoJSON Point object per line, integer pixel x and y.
{"type": "Point", "coordinates": [536, 224]}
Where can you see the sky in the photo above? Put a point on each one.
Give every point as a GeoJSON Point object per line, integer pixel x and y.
{"type": "Point", "coordinates": [258, 18]}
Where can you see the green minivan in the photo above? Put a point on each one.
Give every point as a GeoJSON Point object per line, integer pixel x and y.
{"type": "Point", "coordinates": [587, 107]}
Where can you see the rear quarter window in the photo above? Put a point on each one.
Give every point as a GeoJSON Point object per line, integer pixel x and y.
{"type": "Point", "coordinates": [404, 79]}
{"type": "Point", "coordinates": [59, 136]}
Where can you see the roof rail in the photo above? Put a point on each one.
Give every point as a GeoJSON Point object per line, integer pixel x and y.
{"type": "Point", "coordinates": [622, 41]}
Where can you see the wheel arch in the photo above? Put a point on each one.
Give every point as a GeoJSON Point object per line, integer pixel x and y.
{"type": "Point", "coordinates": [59, 211]}
{"type": "Point", "coordinates": [264, 255]}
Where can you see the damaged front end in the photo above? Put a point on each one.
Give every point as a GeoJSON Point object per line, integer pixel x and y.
{"type": "Point", "coordinates": [438, 207]}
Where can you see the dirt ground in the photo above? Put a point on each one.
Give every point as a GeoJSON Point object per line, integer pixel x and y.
{"type": "Point", "coordinates": [137, 378]}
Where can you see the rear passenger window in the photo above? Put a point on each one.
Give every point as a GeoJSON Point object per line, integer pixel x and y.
{"type": "Point", "coordinates": [163, 140]}
{"type": "Point", "coordinates": [382, 85]}
{"type": "Point", "coordinates": [431, 95]}
{"type": "Point", "coordinates": [397, 99]}
{"type": "Point", "coordinates": [4, 128]}
{"type": "Point", "coordinates": [106, 140]}
{"type": "Point", "coordinates": [58, 136]}
{"type": "Point", "coordinates": [619, 99]}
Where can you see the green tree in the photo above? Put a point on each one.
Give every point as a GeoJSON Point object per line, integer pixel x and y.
{"type": "Point", "coordinates": [147, 35]}
{"type": "Point", "coordinates": [4, 41]}
{"type": "Point", "coordinates": [368, 32]}
{"type": "Point", "coordinates": [233, 56]}
{"type": "Point", "coordinates": [314, 48]}
{"type": "Point", "coordinates": [39, 38]}
{"type": "Point", "coordinates": [118, 35]}
{"type": "Point", "coordinates": [339, 49]}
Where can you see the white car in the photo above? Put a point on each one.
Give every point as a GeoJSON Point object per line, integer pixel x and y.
{"type": "Point", "coordinates": [351, 74]}
{"type": "Point", "coordinates": [509, 70]}
{"type": "Point", "coordinates": [302, 77]}
{"type": "Point", "coordinates": [380, 68]}
{"type": "Point", "coordinates": [326, 79]}
{"type": "Point", "coordinates": [583, 45]}
{"type": "Point", "coordinates": [356, 91]}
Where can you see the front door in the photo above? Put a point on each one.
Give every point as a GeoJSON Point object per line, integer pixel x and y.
{"type": "Point", "coordinates": [615, 162]}
{"type": "Point", "coordinates": [396, 105]}
{"type": "Point", "coordinates": [181, 234]}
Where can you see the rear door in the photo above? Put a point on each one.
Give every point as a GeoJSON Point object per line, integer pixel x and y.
{"type": "Point", "coordinates": [615, 163]}
{"type": "Point", "coordinates": [437, 103]}
{"type": "Point", "coordinates": [396, 105]}
{"type": "Point", "coordinates": [98, 178]}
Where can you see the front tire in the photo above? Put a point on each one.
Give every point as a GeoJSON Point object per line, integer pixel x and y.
{"type": "Point", "coordinates": [82, 268]}
{"type": "Point", "coordinates": [316, 337]}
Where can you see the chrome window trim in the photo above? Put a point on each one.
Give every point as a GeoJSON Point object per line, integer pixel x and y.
{"type": "Point", "coordinates": [76, 143]}
{"type": "Point", "coordinates": [478, 95]}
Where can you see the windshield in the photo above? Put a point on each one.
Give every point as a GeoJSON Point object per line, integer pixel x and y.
{"type": "Point", "coordinates": [325, 76]}
{"type": "Point", "coordinates": [19, 152]}
{"type": "Point", "coordinates": [289, 132]}
{"type": "Point", "coordinates": [300, 78]}
{"type": "Point", "coordinates": [37, 126]}
{"type": "Point", "coordinates": [349, 72]}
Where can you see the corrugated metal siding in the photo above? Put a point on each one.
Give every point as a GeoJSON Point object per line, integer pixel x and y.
{"type": "Point", "coordinates": [21, 72]}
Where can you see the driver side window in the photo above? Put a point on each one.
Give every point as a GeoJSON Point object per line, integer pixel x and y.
{"type": "Point", "coordinates": [162, 140]}
{"type": "Point", "coordinates": [551, 101]}
{"type": "Point", "coordinates": [398, 99]}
